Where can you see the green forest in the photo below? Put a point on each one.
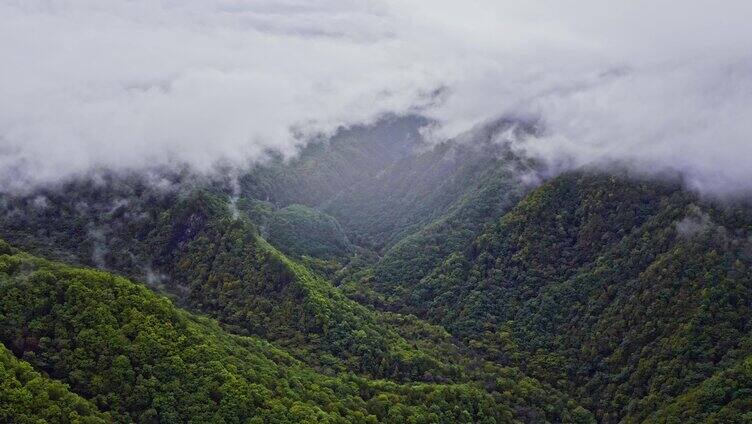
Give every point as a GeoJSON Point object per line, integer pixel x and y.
{"type": "Point", "coordinates": [375, 279]}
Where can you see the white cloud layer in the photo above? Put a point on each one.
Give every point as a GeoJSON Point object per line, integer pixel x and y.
{"type": "Point", "coordinates": [123, 84]}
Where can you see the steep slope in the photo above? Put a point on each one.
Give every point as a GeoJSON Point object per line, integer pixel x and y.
{"type": "Point", "coordinates": [722, 398]}
{"type": "Point", "coordinates": [423, 187]}
{"type": "Point", "coordinates": [622, 292]}
{"type": "Point", "coordinates": [100, 221]}
{"type": "Point", "coordinates": [212, 260]}
{"type": "Point", "coordinates": [324, 168]}
{"type": "Point", "coordinates": [139, 358]}
{"type": "Point", "coordinates": [28, 397]}
{"type": "Point", "coordinates": [189, 244]}
{"type": "Point", "coordinates": [429, 204]}
{"type": "Point", "coordinates": [298, 230]}
{"type": "Point", "coordinates": [415, 203]}
{"type": "Point", "coordinates": [484, 198]}
{"type": "Point", "coordinates": [631, 296]}
{"type": "Point", "coordinates": [226, 270]}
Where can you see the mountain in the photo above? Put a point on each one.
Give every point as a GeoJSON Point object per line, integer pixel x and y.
{"type": "Point", "coordinates": [622, 293]}
{"type": "Point", "coordinates": [376, 277]}
{"type": "Point", "coordinates": [215, 263]}
{"type": "Point", "coordinates": [326, 167]}
{"type": "Point", "coordinates": [138, 357]}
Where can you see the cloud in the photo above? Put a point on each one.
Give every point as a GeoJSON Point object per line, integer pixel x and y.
{"type": "Point", "coordinates": [696, 222]}
{"type": "Point", "coordinates": [127, 83]}
{"type": "Point", "coordinates": [124, 84]}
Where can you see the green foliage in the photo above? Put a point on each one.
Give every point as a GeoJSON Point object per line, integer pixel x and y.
{"type": "Point", "coordinates": [95, 222]}
{"type": "Point", "coordinates": [631, 297]}
{"type": "Point", "coordinates": [205, 258]}
{"type": "Point", "coordinates": [455, 187]}
{"type": "Point", "coordinates": [417, 254]}
{"type": "Point", "coordinates": [196, 251]}
{"type": "Point", "coordinates": [137, 356]}
{"type": "Point", "coordinates": [300, 230]}
{"type": "Point", "coordinates": [726, 397]}
{"type": "Point", "coordinates": [27, 397]}
{"type": "Point", "coordinates": [595, 285]}
{"type": "Point", "coordinates": [254, 289]}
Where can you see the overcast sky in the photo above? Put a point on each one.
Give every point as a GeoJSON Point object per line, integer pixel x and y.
{"type": "Point", "coordinates": [122, 84]}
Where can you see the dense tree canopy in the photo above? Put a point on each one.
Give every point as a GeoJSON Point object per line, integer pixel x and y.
{"type": "Point", "coordinates": [374, 278]}
{"type": "Point", "coordinates": [28, 397]}
{"type": "Point", "coordinates": [623, 293]}
{"type": "Point", "coordinates": [139, 358]}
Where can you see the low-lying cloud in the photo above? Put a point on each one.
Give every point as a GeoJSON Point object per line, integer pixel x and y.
{"type": "Point", "coordinates": [125, 84]}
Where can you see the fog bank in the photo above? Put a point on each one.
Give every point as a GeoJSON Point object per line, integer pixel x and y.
{"type": "Point", "coordinates": [125, 84]}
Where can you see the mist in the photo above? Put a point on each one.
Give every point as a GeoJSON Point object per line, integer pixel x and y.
{"type": "Point", "coordinates": [109, 84]}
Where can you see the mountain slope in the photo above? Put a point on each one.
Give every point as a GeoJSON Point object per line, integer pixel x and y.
{"type": "Point", "coordinates": [206, 258]}
{"type": "Point", "coordinates": [422, 187]}
{"type": "Point", "coordinates": [722, 398]}
{"type": "Point", "coordinates": [227, 271]}
{"type": "Point", "coordinates": [621, 292]}
{"type": "Point", "coordinates": [27, 397]}
{"type": "Point", "coordinates": [630, 296]}
{"type": "Point", "coordinates": [190, 245]}
{"type": "Point", "coordinates": [298, 230]}
{"type": "Point", "coordinates": [138, 357]}
{"type": "Point", "coordinates": [324, 168]}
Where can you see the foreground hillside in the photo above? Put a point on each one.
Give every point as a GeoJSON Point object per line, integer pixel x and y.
{"type": "Point", "coordinates": [190, 246]}
{"type": "Point", "coordinates": [137, 357]}
{"type": "Point", "coordinates": [27, 396]}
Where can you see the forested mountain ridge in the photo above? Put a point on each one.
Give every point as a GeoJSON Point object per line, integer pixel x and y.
{"type": "Point", "coordinates": [434, 182]}
{"type": "Point", "coordinates": [325, 168]}
{"type": "Point", "coordinates": [431, 199]}
{"type": "Point", "coordinates": [722, 398]}
{"type": "Point", "coordinates": [212, 261]}
{"type": "Point", "coordinates": [419, 282]}
{"type": "Point", "coordinates": [624, 293]}
{"type": "Point", "coordinates": [141, 359]}
{"type": "Point", "coordinates": [196, 251]}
